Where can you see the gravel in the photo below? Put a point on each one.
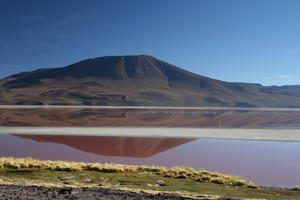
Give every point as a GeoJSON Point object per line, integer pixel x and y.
{"type": "Point", "coordinates": [13, 192]}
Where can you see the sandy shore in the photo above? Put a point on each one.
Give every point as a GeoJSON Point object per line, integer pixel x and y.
{"type": "Point", "coordinates": [292, 135]}
{"type": "Point", "coordinates": [147, 107]}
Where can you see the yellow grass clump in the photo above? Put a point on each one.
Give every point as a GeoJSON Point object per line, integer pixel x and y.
{"type": "Point", "coordinates": [176, 172]}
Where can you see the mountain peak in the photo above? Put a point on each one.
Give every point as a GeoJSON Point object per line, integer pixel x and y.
{"type": "Point", "coordinates": [108, 67]}
{"type": "Point", "coordinates": [117, 67]}
{"type": "Point", "coordinates": [120, 57]}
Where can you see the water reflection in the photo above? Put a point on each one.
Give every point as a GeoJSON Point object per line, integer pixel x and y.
{"type": "Point", "coordinates": [113, 146]}
{"type": "Point", "coordinates": [146, 117]}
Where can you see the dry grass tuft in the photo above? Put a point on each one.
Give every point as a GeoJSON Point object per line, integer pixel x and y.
{"type": "Point", "coordinates": [176, 172]}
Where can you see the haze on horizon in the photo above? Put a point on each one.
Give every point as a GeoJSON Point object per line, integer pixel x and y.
{"type": "Point", "coordinates": [238, 41]}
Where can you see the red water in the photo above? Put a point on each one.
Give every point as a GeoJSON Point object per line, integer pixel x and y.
{"type": "Point", "coordinates": [265, 163]}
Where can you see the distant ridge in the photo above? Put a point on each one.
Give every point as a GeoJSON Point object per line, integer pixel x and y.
{"type": "Point", "coordinates": [140, 80]}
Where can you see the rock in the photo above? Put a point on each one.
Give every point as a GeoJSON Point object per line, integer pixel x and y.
{"type": "Point", "coordinates": [161, 183]}
{"type": "Point", "coordinates": [65, 191]}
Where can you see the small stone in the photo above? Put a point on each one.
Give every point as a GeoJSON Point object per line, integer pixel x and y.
{"type": "Point", "coordinates": [161, 183]}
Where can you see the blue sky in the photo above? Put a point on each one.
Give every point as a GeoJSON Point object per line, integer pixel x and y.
{"type": "Point", "coordinates": [232, 40]}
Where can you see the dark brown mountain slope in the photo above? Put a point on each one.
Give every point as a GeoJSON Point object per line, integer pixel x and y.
{"type": "Point", "coordinates": [137, 80]}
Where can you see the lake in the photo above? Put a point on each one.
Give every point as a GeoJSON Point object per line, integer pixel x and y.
{"type": "Point", "coordinates": [171, 137]}
{"type": "Point", "coordinates": [264, 162]}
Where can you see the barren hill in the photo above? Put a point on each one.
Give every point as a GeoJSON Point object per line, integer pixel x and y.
{"type": "Point", "coordinates": [136, 80]}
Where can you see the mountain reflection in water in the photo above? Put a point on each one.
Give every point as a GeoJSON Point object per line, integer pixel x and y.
{"type": "Point", "coordinates": [113, 146]}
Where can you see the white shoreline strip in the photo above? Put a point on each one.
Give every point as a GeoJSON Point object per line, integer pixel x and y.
{"type": "Point", "coordinates": [292, 135]}
{"type": "Point", "coordinates": [145, 107]}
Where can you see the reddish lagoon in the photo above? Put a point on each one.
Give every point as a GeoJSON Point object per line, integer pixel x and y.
{"type": "Point", "coordinates": [264, 162]}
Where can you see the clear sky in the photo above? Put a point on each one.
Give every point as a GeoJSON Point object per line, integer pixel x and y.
{"type": "Point", "coordinates": [233, 40]}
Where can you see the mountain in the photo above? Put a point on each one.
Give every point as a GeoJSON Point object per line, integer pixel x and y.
{"type": "Point", "coordinates": [136, 80]}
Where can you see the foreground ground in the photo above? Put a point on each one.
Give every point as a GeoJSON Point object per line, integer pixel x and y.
{"type": "Point", "coordinates": [110, 181]}
{"type": "Point", "coordinates": [43, 193]}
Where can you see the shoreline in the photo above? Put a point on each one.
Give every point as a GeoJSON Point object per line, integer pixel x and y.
{"type": "Point", "coordinates": [149, 107]}
{"type": "Point", "coordinates": [284, 135]}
